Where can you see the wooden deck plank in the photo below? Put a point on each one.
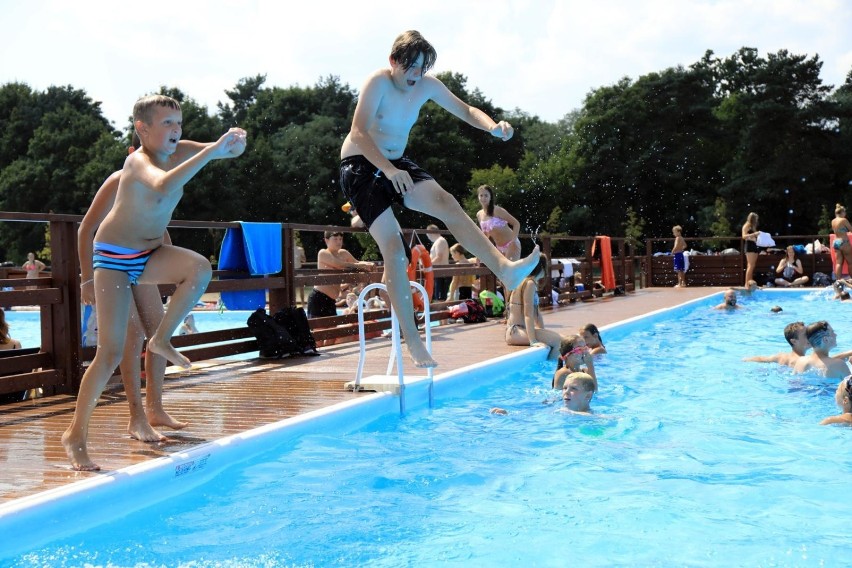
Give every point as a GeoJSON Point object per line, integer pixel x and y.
{"type": "Point", "coordinates": [224, 398]}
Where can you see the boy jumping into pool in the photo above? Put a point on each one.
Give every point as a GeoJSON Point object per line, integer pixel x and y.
{"type": "Point", "coordinates": [129, 249]}
{"type": "Point", "coordinates": [375, 173]}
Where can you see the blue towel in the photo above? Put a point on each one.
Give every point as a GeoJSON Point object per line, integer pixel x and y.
{"type": "Point", "coordinates": [254, 248]}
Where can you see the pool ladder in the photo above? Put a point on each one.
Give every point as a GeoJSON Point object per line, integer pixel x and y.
{"type": "Point", "coordinates": [396, 343]}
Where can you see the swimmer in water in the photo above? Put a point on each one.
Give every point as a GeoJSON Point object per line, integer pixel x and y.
{"type": "Point", "coordinates": [822, 338]}
{"type": "Point", "coordinates": [796, 336]}
{"type": "Point", "coordinates": [577, 393]}
{"type": "Point", "coordinates": [843, 398]}
{"type": "Point", "coordinates": [375, 173]}
{"type": "Point", "coordinates": [730, 301]}
{"type": "Point", "coordinates": [574, 357]}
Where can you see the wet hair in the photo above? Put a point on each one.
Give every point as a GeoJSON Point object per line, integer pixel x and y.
{"type": "Point", "coordinates": [585, 380]}
{"type": "Point", "coordinates": [489, 209]}
{"type": "Point", "coordinates": [791, 330]}
{"type": "Point", "coordinates": [751, 220]}
{"type": "Point", "coordinates": [408, 46]}
{"type": "Point", "coordinates": [839, 209]}
{"type": "Point", "coordinates": [144, 108]}
{"type": "Point", "coordinates": [844, 392]}
{"type": "Point", "coordinates": [540, 266]}
{"type": "Point", "coordinates": [458, 249]}
{"type": "Point", "coordinates": [4, 328]}
{"type": "Point", "coordinates": [593, 330]}
{"type": "Point", "coordinates": [817, 332]}
{"type": "Point", "coordinates": [568, 343]}
{"type": "Point", "coordinates": [844, 295]}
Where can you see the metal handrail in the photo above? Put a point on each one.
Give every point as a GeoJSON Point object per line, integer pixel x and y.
{"type": "Point", "coordinates": [396, 342]}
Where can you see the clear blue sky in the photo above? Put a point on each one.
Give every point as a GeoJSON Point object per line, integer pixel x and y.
{"type": "Point", "coordinates": [542, 56]}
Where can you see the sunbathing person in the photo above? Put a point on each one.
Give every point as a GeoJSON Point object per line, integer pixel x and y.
{"type": "Point", "coordinates": [796, 336]}
{"type": "Point", "coordinates": [822, 338]}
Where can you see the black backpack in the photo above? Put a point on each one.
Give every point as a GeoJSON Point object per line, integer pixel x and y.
{"type": "Point", "coordinates": [295, 321]}
{"type": "Point", "coordinates": [274, 339]}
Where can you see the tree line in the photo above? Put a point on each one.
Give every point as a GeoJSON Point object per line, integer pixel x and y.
{"type": "Point", "coordinates": [698, 146]}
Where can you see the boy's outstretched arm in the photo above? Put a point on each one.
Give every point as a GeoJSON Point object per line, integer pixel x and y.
{"type": "Point", "coordinates": [140, 167]}
{"type": "Point", "coordinates": [471, 115]}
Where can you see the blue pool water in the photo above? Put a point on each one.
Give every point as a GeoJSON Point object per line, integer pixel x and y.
{"type": "Point", "coordinates": [25, 326]}
{"type": "Point", "coordinates": [693, 458]}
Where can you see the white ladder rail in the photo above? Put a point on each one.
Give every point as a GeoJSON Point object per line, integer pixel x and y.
{"type": "Point", "coordinates": [396, 343]}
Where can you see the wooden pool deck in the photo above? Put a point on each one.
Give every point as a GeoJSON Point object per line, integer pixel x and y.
{"type": "Point", "coordinates": [223, 398]}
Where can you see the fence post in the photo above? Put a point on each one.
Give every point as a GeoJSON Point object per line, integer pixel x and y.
{"type": "Point", "coordinates": [64, 339]}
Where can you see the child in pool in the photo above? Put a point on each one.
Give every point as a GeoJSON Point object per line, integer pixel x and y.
{"type": "Point", "coordinates": [593, 340]}
{"type": "Point", "coordinates": [843, 397]}
{"type": "Point", "coordinates": [577, 393]}
{"type": "Point", "coordinates": [574, 356]}
{"type": "Point", "coordinates": [129, 249]}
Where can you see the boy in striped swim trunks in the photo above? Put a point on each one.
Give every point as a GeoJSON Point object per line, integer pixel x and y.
{"type": "Point", "coordinates": [129, 249]}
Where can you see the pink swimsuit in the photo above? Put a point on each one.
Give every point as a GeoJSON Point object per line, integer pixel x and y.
{"type": "Point", "coordinates": [496, 223]}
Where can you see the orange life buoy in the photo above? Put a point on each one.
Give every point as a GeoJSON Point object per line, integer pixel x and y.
{"type": "Point", "coordinates": [420, 256]}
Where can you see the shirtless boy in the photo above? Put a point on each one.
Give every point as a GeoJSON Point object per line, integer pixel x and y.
{"type": "Point", "coordinates": [677, 254]}
{"type": "Point", "coordinates": [146, 313]}
{"type": "Point", "coordinates": [323, 300]}
{"type": "Point", "coordinates": [375, 173]}
{"type": "Point", "coordinates": [822, 338]}
{"type": "Point", "coordinates": [129, 249]}
{"type": "Point", "coordinates": [796, 336]}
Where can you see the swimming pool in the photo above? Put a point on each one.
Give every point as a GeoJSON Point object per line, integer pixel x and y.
{"type": "Point", "coordinates": [25, 325]}
{"type": "Point", "coordinates": [694, 458]}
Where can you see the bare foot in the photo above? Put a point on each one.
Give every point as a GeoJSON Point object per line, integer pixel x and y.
{"type": "Point", "coordinates": [422, 359]}
{"type": "Point", "coordinates": [76, 450]}
{"type": "Point", "coordinates": [162, 418]}
{"type": "Point", "coordinates": [514, 274]}
{"type": "Point", "coordinates": [170, 353]}
{"type": "Point", "coordinates": [142, 431]}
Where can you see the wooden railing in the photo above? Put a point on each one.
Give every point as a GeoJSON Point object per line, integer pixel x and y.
{"type": "Point", "coordinates": [61, 359]}
{"type": "Point", "coordinates": [716, 269]}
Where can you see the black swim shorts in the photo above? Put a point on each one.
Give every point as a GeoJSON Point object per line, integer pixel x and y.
{"type": "Point", "coordinates": [367, 188]}
{"type": "Point", "coordinates": [321, 305]}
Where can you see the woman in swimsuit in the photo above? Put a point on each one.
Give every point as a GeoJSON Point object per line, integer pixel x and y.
{"type": "Point", "coordinates": [749, 234]}
{"type": "Point", "coordinates": [498, 224]}
{"type": "Point", "coordinates": [33, 266]}
{"type": "Point", "coordinates": [790, 269]}
{"type": "Point", "coordinates": [525, 325]}
{"type": "Point", "coordinates": [843, 250]}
